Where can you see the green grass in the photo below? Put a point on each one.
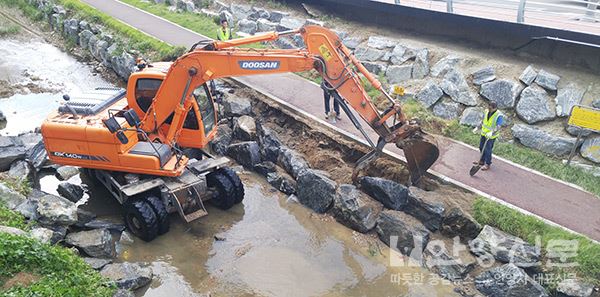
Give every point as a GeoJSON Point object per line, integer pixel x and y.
{"type": "Point", "coordinates": [12, 219]}
{"type": "Point", "coordinates": [527, 227]}
{"type": "Point", "coordinates": [8, 29]}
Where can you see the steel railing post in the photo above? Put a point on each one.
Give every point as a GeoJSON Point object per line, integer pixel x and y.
{"type": "Point", "coordinates": [449, 7]}
{"type": "Point", "coordinates": [591, 8]}
{"type": "Point", "coordinates": [521, 12]}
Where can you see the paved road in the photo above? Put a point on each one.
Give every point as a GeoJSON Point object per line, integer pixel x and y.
{"type": "Point", "coordinates": [552, 200]}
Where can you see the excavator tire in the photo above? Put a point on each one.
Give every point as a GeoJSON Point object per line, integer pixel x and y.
{"type": "Point", "coordinates": [140, 219]}
{"type": "Point", "coordinates": [162, 216]}
{"type": "Point", "coordinates": [236, 181]}
{"type": "Point", "coordinates": [225, 197]}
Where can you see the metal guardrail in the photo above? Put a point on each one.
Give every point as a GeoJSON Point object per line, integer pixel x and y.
{"type": "Point", "coordinates": [579, 15]}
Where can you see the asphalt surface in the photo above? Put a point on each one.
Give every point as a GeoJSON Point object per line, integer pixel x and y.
{"type": "Point", "coordinates": [563, 204]}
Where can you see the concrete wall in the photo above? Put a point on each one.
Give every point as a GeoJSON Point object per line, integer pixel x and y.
{"type": "Point", "coordinates": [481, 31]}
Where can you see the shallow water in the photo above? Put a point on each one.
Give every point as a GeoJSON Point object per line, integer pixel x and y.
{"type": "Point", "coordinates": [42, 73]}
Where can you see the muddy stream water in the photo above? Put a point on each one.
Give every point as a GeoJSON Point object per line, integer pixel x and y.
{"type": "Point", "coordinates": [267, 246]}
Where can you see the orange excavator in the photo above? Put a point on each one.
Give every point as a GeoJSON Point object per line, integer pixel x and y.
{"type": "Point", "coordinates": [132, 140]}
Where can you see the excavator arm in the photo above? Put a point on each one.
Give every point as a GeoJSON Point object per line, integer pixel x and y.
{"type": "Point", "coordinates": [324, 52]}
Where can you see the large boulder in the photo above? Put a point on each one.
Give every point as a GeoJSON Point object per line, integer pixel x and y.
{"type": "Point", "coordinates": [596, 103]}
{"type": "Point", "coordinates": [264, 25]}
{"type": "Point", "coordinates": [223, 139]}
{"type": "Point", "coordinates": [10, 198]}
{"type": "Point", "coordinates": [269, 142]}
{"type": "Point", "coordinates": [66, 172]}
{"type": "Point", "coordinates": [55, 210]}
{"type": "Point", "coordinates": [547, 80]}
{"type": "Point", "coordinates": [355, 209]}
{"type": "Point", "coordinates": [541, 140]}
{"type": "Point", "coordinates": [506, 281]}
{"type": "Point", "coordinates": [528, 75]}
{"type": "Point", "coordinates": [483, 75]}
{"type": "Point", "coordinates": [96, 263]}
{"type": "Point", "coordinates": [352, 42]}
{"type": "Point", "coordinates": [259, 13]}
{"type": "Point", "coordinates": [246, 153]}
{"type": "Point", "coordinates": [535, 105]}
{"type": "Point", "coordinates": [130, 276]}
{"type": "Point", "coordinates": [444, 65]}
{"type": "Point", "coordinates": [455, 85]}
{"type": "Point", "coordinates": [247, 26]}
{"type": "Point", "coordinates": [22, 170]}
{"type": "Point", "coordinates": [289, 23]}
{"type": "Point", "coordinates": [266, 167]}
{"type": "Point", "coordinates": [392, 194]}
{"type": "Point", "coordinates": [245, 128]}
{"type": "Point", "coordinates": [71, 30]}
{"type": "Point", "coordinates": [447, 109]}
{"type": "Point", "coordinates": [426, 207]}
{"type": "Point", "coordinates": [381, 43]}
{"type": "Point", "coordinates": [375, 67]}
{"type": "Point", "coordinates": [84, 38]}
{"type": "Point", "coordinates": [421, 65]}
{"type": "Point", "coordinates": [11, 149]}
{"type": "Point", "coordinates": [123, 65]}
{"type": "Point", "coordinates": [70, 191]}
{"type": "Point", "coordinates": [282, 181]}
{"type": "Point", "coordinates": [472, 116]}
{"type": "Point", "coordinates": [12, 231]}
{"type": "Point", "coordinates": [591, 149]}
{"type": "Point", "coordinates": [448, 265]}
{"type": "Point", "coordinates": [276, 16]}
{"type": "Point", "coordinates": [240, 11]}
{"type": "Point", "coordinates": [109, 224]}
{"type": "Point", "coordinates": [505, 248]}
{"type": "Point", "coordinates": [574, 288]}
{"type": "Point", "coordinates": [292, 161]}
{"type": "Point", "coordinates": [95, 243]}
{"type": "Point", "coordinates": [459, 223]}
{"type": "Point", "coordinates": [315, 190]}
{"type": "Point", "coordinates": [43, 235]}
{"type": "Point", "coordinates": [566, 98]}
{"type": "Point", "coordinates": [402, 233]}
{"type": "Point", "coordinates": [398, 74]}
{"type": "Point", "coordinates": [364, 53]}
{"type": "Point", "coordinates": [503, 92]}
{"type": "Point", "coordinates": [234, 106]}
{"type": "Point", "coordinates": [429, 94]}
{"type": "Point", "coordinates": [401, 54]}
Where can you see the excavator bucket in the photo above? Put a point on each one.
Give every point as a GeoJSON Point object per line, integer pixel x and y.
{"type": "Point", "coordinates": [421, 152]}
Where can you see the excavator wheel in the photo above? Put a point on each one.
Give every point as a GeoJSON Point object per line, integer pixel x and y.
{"type": "Point", "coordinates": [236, 181]}
{"type": "Point", "coordinates": [225, 191]}
{"type": "Point", "coordinates": [140, 219]}
{"type": "Point", "coordinates": [161, 213]}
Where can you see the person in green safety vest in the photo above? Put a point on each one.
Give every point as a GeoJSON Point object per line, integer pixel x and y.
{"type": "Point", "coordinates": [490, 129]}
{"type": "Point", "coordinates": [224, 32]}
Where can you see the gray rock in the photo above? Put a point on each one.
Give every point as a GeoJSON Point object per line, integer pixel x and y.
{"type": "Point", "coordinates": [44, 235]}
{"type": "Point", "coordinates": [591, 149]}
{"type": "Point", "coordinates": [71, 30]}
{"type": "Point", "coordinates": [574, 288]}
{"type": "Point", "coordinates": [223, 139]}
{"type": "Point", "coordinates": [398, 74]}
{"type": "Point", "coordinates": [234, 106]}
{"type": "Point", "coordinates": [503, 92]}
{"type": "Point", "coordinates": [28, 209]}
{"type": "Point", "coordinates": [54, 210]}
{"type": "Point", "coordinates": [541, 140]}
{"type": "Point", "coordinates": [392, 194]}
{"type": "Point", "coordinates": [129, 276]}
{"type": "Point", "coordinates": [292, 162]}
{"type": "Point", "coordinates": [210, 14]}
{"type": "Point", "coordinates": [123, 293]}
{"type": "Point", "coordinates": [259, 13]}
{"type": "Point", "coordinates": [444, 65]}
{"type": "Point", "coordinates": [10, 154]}
{"type": "Point", "coordinates": [245, 128]}
{"type": "Point", "coordinates": [429, 94]}
{"type": "Point", "coordinates": [264, 25]}
{"type": "Point", "coordinates": [240, 11]}
{"type": "Point", "coordinates": [375, 67]}
{"type": "Point", "coordinates": [266, 167]}
{"type": "Point", "coordinates": [246, 153]}
{"type": "Point", "coordinates": [2, 117]}
{"type": "Point", "coordinates": [449, 266]}
{"type": "Point", "coordinates": [401, 54]}
{"type": "Point", "coordinates": [421, 65]}
{"type": "Point", "coordinates": [425, 207]}
{"type": "Point", "coordinates": [185, 5]}
{"type": "Point", "coordinates": [247, 26]}
{"type": "Point", "coordinates": [574, 130]}
{"type": "Point", "coordinates": [596, 103]}
{"type": "Point", "coordinates": [402, 233]}
{"type": "Point", "coordinates": [535, 105]}
{"type": "Point", "coordinates": [96, 263]}
{"type": "Point", "coordinates": [96, 243]}
{"type": "Point", "coordinates": [269, 142]}
{"type": "Point", "coordinates": [277, 16]}
{"type": "Point", "coordinates": [455, 85]}
{"type": "Point", "coordinates": [505, 248]}
{"type": "Point", "coordinates": [528, 75]}
{"type": "Point", "coordinates": [111, 225]}
{"type": "Point", "coordinates": [484, 75]}
{"type": "Point", "coordinates": [70, 191]}
{"type": "Point", "coordinates": [459, 223]}
{"type": "Point", "coordinates": [30, 140]}
{"type": "Point", "coordinates": [547, 80]}
{"type": "Point", "coordinates": [282, 181]}
{"type": "Point", "coordinates": [380, 42]}
{"type": "Point", "coordinates": [21, 170]}
{"type": "Point", "coordinates": [472, 116]}
{"type": "Point", "coordinates": [352, 42]}
{"type": "Point", "coordinates": [123, 65]}
{"type": "Point", "coordinates": [84, 217]}
{"type": "Point", "coordinates": [289, 23]}
{"type": "Point", "coordinates": [356, 209]}
{"type": "Point", "coordinates": [508, 280]}
{"type": "Point", "coordinates": [447, 109]}
{"type": "Point", "coordinates": [66, 172]}
{"type": "Point", "coordinates": [313, 22]}
{"type": "Point", "coordinates": [566, 98]}
{"type": "Point", "coordinates": [368, 54]}
{"type": "Point", "coordinates": [12, 230]}
{"type": "Point", "coordinates": [285, 43]}
{"type": "Point", "coordinates": [316, 191]}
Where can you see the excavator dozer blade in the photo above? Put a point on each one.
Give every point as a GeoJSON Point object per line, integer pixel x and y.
{"type": "Point", "coordinates": [421, 152]}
